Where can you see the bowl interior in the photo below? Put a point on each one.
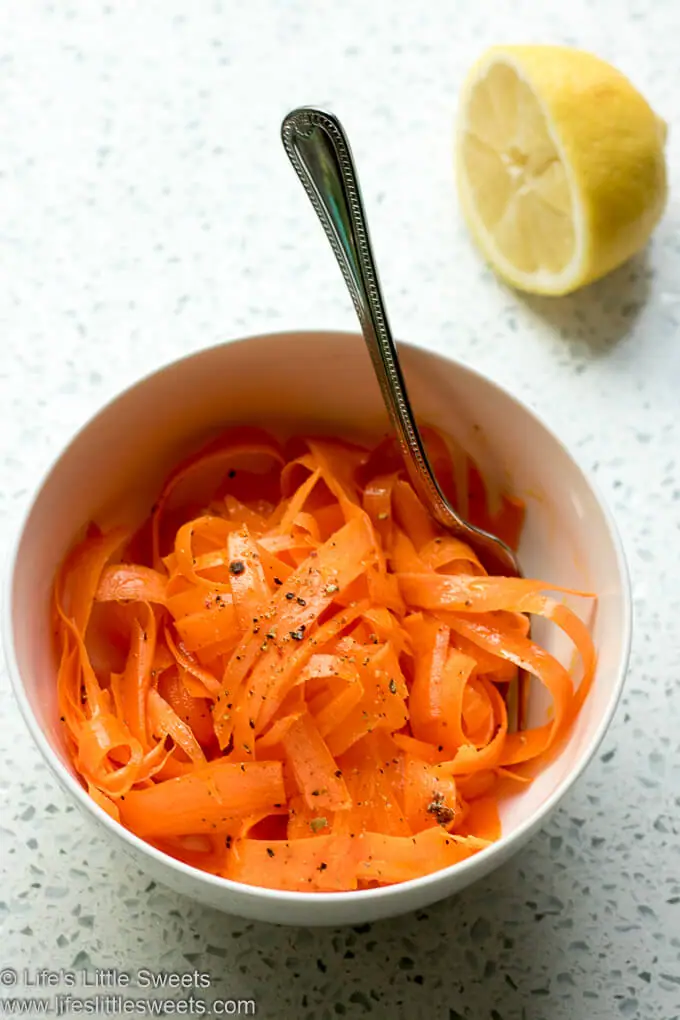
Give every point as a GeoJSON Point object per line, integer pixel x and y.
{"type": "Point", "coordinates": [111, 473]}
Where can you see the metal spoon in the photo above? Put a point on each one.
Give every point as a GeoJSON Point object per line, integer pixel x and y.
{"type": "Point", "coordinates": [318, 149]}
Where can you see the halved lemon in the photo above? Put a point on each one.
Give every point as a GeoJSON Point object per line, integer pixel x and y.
{"type": "Point", "coordinates": [560, 164]}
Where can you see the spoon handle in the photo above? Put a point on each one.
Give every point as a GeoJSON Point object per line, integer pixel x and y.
{"type": "Point", "coordinates": [319, 151]}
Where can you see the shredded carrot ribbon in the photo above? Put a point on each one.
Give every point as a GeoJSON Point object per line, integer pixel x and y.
{"type": "Point", "coordinates": [301, 682]}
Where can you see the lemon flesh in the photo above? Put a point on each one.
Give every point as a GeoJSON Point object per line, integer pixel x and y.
{"type": "Point", "coordinates": [561, 167]}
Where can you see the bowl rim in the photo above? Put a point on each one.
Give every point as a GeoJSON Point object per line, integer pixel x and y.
{"type": "Point", "coordinates": [479, 861]}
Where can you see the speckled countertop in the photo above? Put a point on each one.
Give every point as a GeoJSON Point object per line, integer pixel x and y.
{"type": "Point", "coordinates": [147, 209]}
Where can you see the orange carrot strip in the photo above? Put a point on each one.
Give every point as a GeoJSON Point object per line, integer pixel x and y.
{"type": "Point", "coordinates": [194, 687]}
{"type": "Point", "coordinates": [297, 502]}
{"type": "Point", "coordinates": [207, 852]}
{"type": "Point", "coordinates": [186, 559]}
{"type": "Point", "coordinates": [303, 822]}
{"type": "Point", "coordinates": [69, 690]}
{"type": "Point", "coordinates": [389, 859]}
{"type": "Point", "coordinates": [478, 719]}
{"type": "Point", "coordinates": [241, 515]}
{"type": "Point", "coordinates": [385, 623]}
{"type": "Point", "coordinates": [482, 819]}
{"type": "Point", "coordinates": [377, 503]}
{"type": "Point", "coordinates": [164, 721]}
{"type": "Point", "coordinates": [339, 707]}
{"type": "Point", "coordinates": [104, 802]}
{"type": "Point", "coordinates": [126, 583]}
{"type": "Point", "coordinates": [88, 696]}
{"type": "Point", "coordinates": [431, 645]}
{"type": "Point", "coordinates": [373, 771]}
{"type": "Point", "coordinates": [468, 758]}
{"type": "Point", "coordinates": [527, 655]}
{"type": "Point", "coordinates": [430, 797]}
{"type": "Point", "coordinates": [315, 864]}
{"type": "Point", "coordinates": [314, 767]}
{"type": "Point", "coordinates": [99, 739]}
{"type": "Point", "coordinates": [270, 744]}
{"type": "Point", "coordinates": [176, 687]}
{"type": "Point", "coordinates": [444, 551]}
{"type": "Point", "coordinates": [420, 749]}
{"type": "Point", "coordinates": [275, 569]}
{"type": "Point", "coordinates": [211, 796]}
{"type": "Point", "coordinates": [412, 516]}
{"type": "Point", "coordinates": [136, 679]}
{"type": "Point", "coordinates": [217, 625]}
{"type": "Point", "coordinates": [313, 587]}
{"type": "Point", "coordinates": [233, 444]}
{"type": "Point", "coordinates": [185, 599]}
{"type": "Point", "coordinates": [382, 706]}
{"type": "Point", "coordinates": [465, 593]}
{"type": "Point", "coordinates": [78, 578]}
{"type": "Point", "coordinates": [249, 588]}
{"type": "Point", "coordinates": [485, 661]}
{"type": "Point", "coordinates": [477, 784]}
{"type": "Point", "coordinates": [309, 591]}
{"type": "Point", "coordinates": [186, 661]}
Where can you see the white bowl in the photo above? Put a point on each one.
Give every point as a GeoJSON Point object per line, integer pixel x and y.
{"type": "Point", "coordinates": [112, 469]}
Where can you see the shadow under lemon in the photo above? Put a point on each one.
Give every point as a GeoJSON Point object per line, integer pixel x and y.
{"type": "Point", "coordinates": [602, 313]}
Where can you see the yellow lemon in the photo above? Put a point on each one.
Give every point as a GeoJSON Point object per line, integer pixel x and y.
{"type": "Point", "coordinates": [560, 163]}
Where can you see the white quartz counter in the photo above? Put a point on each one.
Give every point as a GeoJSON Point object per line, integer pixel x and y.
{"type": "Point", "coordinates": [147, 209]}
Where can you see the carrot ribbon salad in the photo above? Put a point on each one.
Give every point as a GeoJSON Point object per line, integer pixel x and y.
{"type": "Point", "coordinates": [294, 678]}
